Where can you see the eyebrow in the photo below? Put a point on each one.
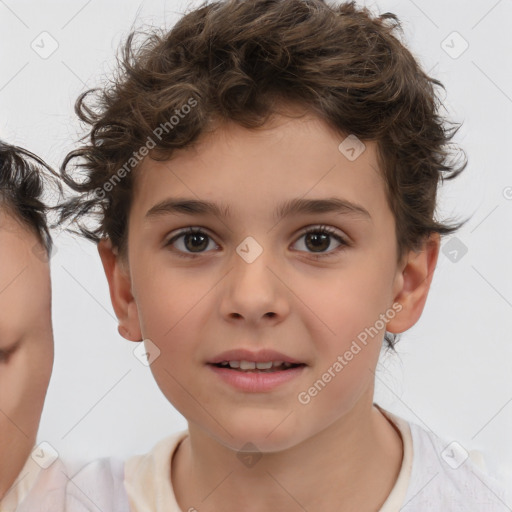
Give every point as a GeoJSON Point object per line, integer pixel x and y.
{"type": "Point", "coordinates": [187, 206]}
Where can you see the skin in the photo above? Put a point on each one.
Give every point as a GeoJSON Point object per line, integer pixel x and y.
{"type": "Point", "coordinates": [26, 344]}
{"type": "Point", "coordinates": [321, 456]}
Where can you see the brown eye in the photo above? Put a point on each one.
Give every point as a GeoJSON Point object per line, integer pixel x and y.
{"type": "Point", "coordinates": [190, 241]}
{"type": "Point", "coordinates": [319, 239]}
{"type": "Point", "coordinates": [195, 241]}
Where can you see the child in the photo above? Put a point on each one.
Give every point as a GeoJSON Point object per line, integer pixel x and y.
{"type": "Point", "coordinates": [264, 178]}
{"type": "Point", "coordinates": [30, 477]}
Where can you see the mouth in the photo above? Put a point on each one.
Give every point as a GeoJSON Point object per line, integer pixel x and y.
{"type": "Point", "coordinates": [257, 367]}
{"type": "Point", "coordinates": [250, 372]}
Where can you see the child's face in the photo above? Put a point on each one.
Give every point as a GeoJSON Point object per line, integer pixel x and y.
{"type": "Point", "coordinates": [26, 343]}
{"type": "Point", "coordinates": [311, 310]}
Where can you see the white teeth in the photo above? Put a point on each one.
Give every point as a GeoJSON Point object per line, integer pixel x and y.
{"type": "Point", "coordinates": [264, 366]}
{"type": "Point", "coordinates": [251, 365]}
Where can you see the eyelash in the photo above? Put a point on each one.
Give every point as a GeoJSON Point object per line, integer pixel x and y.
{"type": "Point", "coordinates": [323, 230]}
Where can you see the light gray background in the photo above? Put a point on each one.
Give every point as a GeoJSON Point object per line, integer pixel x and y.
{"type": "Point", "coordinates": [453, 371]}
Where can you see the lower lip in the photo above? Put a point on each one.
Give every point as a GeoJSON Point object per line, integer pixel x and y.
{"type": "Point", "coordinates": [256, 382]}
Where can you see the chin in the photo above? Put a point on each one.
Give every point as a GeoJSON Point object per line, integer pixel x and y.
{"type": "Point", "coordinates": [268, 435]}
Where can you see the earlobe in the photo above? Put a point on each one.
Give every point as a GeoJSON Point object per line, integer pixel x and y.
{"type": "Point", "coordinates": [414, 284]}
{"type": "Point", "coordinates": [119, 283]}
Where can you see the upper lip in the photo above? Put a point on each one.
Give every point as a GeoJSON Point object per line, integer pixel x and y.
{"type": "Point", "coordinates": [261, 356]}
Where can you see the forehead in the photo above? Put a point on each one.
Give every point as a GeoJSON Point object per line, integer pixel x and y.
{"type": "Point", "coordinates": [252, 171]}
{"type": "Point", "coordinates": [25, 287]}
{"type": "Point", "coordinates": [11, 225]}
{"type": "Point", "coordinates": [19, 245]}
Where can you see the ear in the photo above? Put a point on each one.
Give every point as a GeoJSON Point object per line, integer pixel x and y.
{"type": "Point", "coordinates": [119, 282]}
{"type": "Point", "coordinates": [413, 284]}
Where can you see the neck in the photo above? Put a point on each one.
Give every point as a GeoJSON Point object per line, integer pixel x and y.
{"type": "Point", "coordinates": [338, 465]}
{"type": "Point", "coordinates": [9, 472]}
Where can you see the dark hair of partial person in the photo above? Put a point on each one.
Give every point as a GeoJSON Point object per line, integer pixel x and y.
{"type": "Point", "coordinates": [23, 178]}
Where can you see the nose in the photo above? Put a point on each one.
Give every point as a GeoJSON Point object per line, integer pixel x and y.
{"type": "Point", "coordinates": [254, 292]}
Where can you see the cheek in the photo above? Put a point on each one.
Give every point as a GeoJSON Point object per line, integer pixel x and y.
{"type": "Point", "coordinates": [338, 387]}
{"type": "Point", "coordinates": [168, 303]}
{"type": "Point", "coordinates": [348, 351]}
{"type": "Point", "coordinates": [168, 309]}
{"type": "Point", "coordinates": [23, 384]}
{"type": "Point", "coordinates": [349, 302]}
{"type": "Point", "coordinates": [173, 311]}
{"type": "Point", "coordinates": [350, 337]}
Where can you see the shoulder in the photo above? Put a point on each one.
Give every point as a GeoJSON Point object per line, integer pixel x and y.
{"type": "Point", "coordinates": [156, 460]}
{"type": "Point", "coordinates": [110, 484]}
{"type": "Point", "coordinates": [444, 477]}
{"type": "Point", "coordinates": [148, 477]}
{"type": "Point", "coordinates": [98, 485]}
{"type": "Point", "coordinates": [46, 492]}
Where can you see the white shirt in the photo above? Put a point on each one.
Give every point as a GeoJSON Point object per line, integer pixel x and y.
{"type": "Point", "coordinates": [37, 489]}
{"type": "Point", "coordinates": [98, 487]}
{"type": "Point", "coordinates": [435, 476]}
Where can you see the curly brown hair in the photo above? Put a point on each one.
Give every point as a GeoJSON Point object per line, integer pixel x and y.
{"type": "Point", "coordinates": [241, 61]}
